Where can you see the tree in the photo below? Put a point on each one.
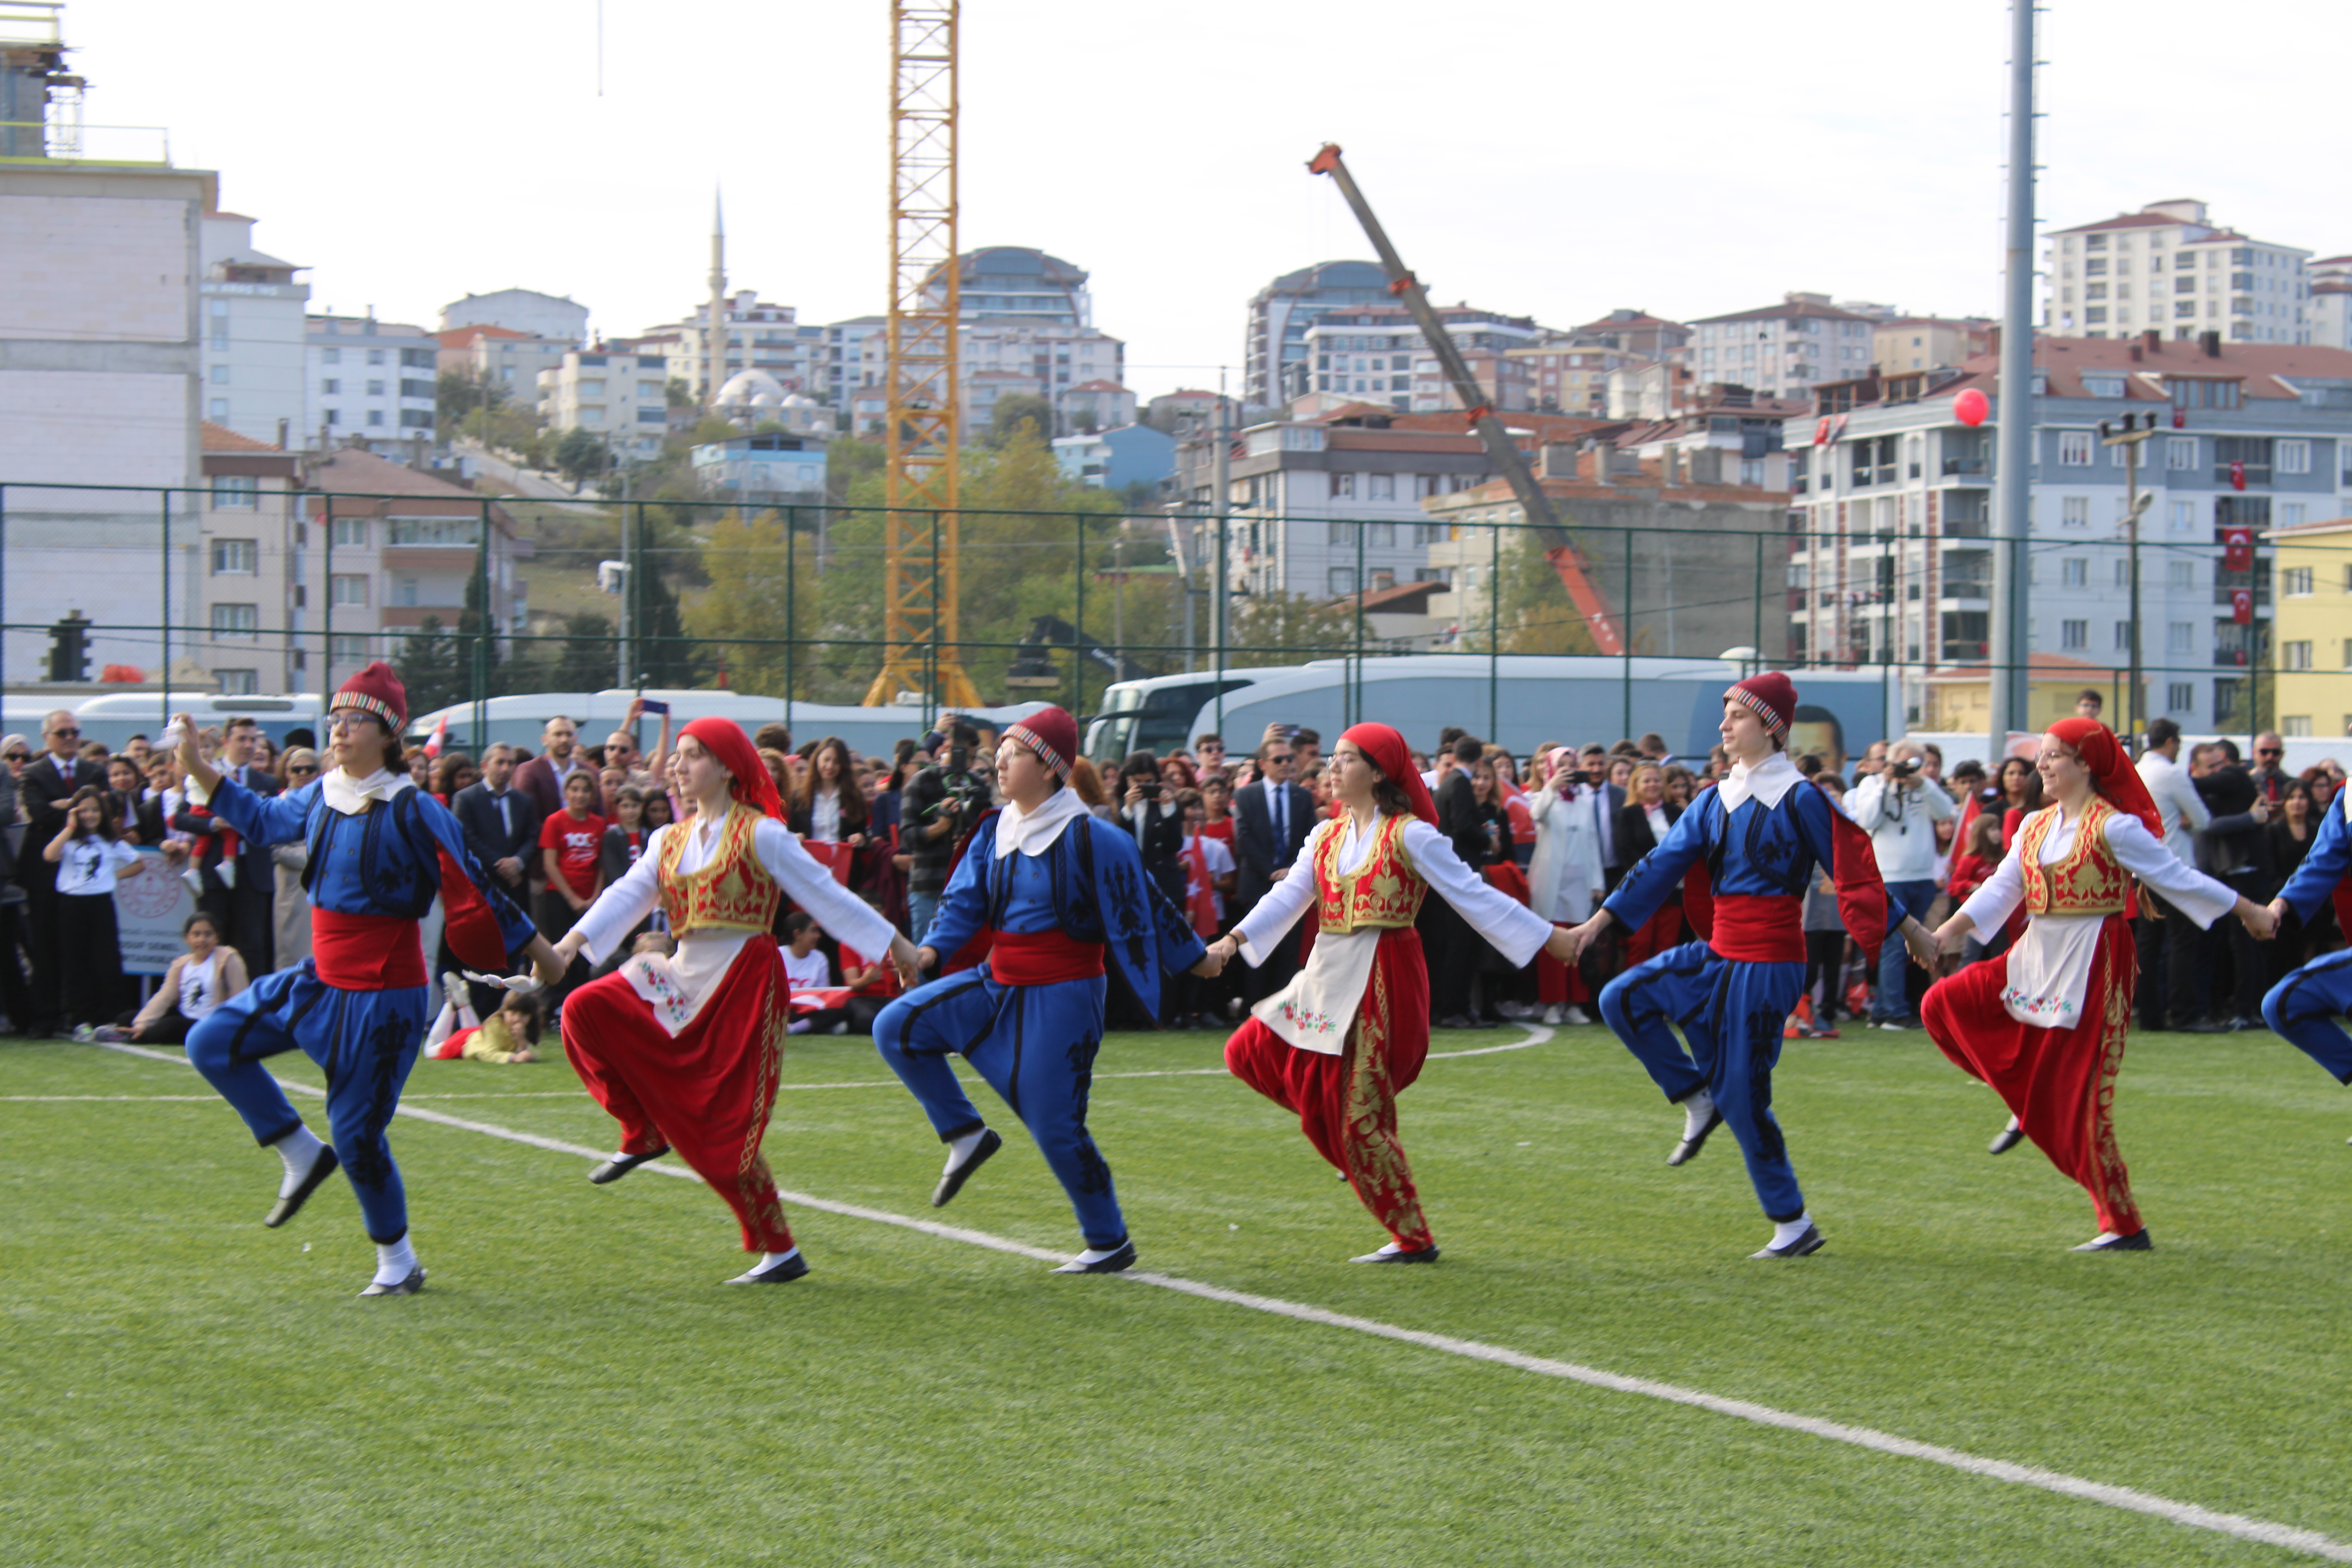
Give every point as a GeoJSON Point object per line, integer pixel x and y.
{"type": "Point", "coordinates": [1013, 410]}
{"type": "Point", "coordinates": [675, 394]}
{"type": "Point", "coordinates": [1286, 628]}
{"type": "Point", "coordinates": [762, 580]}
{"type": "Point", "coordinates": [428, 668]}
{"type": "Point", "coordinates": [579, 455]}
{"type": "Point", "coordinates": [585, 658]}
{"type": "Point", "coordinates": [1532, 609]}
{"type": "Point", "coordinates": [666, 656]}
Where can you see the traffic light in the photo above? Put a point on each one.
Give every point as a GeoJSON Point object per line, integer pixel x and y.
{"type": "Point", "coordinates": [70, 649]}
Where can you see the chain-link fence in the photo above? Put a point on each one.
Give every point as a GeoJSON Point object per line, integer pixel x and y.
{"type": "Point", "coordinates": [247, 588]}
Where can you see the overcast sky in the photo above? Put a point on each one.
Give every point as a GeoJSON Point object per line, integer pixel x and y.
{"type": "Point", "coordinates": [1547, 160]}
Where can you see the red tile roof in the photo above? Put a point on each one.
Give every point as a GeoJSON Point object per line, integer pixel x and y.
{"type": "Point", "coordinates": [1394, 599]}
{"type": "Point", "coordinates": [463, 337]}
{"type": "Point", "coordinates": [2264, 368]}
{"type": "Point", "coordinates": [2131, 220]}
{"type": "Point", "coordinates": [221, 439]}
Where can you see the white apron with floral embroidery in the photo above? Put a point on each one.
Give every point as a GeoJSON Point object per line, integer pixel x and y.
{"type": "Point", "coordinates": [1313, 1011]}
{"type": "Point", "coordinates": [2050, 970]}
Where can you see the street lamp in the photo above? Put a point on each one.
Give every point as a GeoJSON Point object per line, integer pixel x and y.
{"type": "Point", "coordinates": [2136, 429]}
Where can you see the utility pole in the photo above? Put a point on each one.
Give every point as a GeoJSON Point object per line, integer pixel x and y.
{"type": "Point", "coordinates": [2130, 440]}
{"type": "Point", "coordinates": [1221, 482]}
{"type": "Point", "coordinates": [2006, 669]}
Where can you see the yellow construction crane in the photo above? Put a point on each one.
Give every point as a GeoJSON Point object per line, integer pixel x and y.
{"type": "Point", "coordinates": [923, 437]}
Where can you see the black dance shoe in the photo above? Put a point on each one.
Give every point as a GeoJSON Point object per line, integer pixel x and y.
{"type": "Point", "coordinates": [619, 1165]}
{"type": "Point", "coordinates": [1810, 1242]}
{"type": "Point", "coordinates": [2138, 1241]}
{"type": "Point", "coordinates": [782, 1271]}
{"type": "Point", "coordinates": [2005, 1140]}
{"type": "Point", "coordinates": [1418, 1255]}
{"type": "Point", "coordinates": [952, 1182]}
{"type": "Point", "coordinates": [286, 1207]}
{"type": "Point", "coordinates": [408, 1287]}
{"type": "Point", "coordinates": [1121, 1259]}
{"type": "Point", "coordinates": [1687, 1149]}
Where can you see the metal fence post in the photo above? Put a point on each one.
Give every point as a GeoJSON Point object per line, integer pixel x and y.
{"type": "Point", "coordinates": [1627, 681]}
{"type": "Point", "coordinates": [1218, 605]}
{"type": "Point", "coordinates": [1494, 624]}
{"type": "Point", "coordinates": [1079, 623]}
{"type": "Point", "coordinates": [1756, 638]}
{"type": "Point", "coordinates": [1354, 694]}
{"type": "Point", "coordinates": [3, 579]}
{"type": "Point", "coordinates": [479, 675]}
{"type": "Point", "coordinates": [791, 608]}
{"type": "Point", "coordinates": [163, 673]}
{"type": "Point", "coordinates": [326, 608]}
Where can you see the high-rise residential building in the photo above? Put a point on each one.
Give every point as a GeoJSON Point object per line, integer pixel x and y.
{"type": "Point", "coordinates": [524, 310]}
{"type": "Point", "coordinates": [1375, 353]}
{"type": "Point", "coordinates": [497, 356]}
{"type": "Point", "coordinates": [1890, 559]}
{"type": "Point", "coordinates": [2168, 268]}
{"type": "Point", "coordinates": [1024, 324]}
{"type": "Point", "coordinates": [844, 362]}
{"type": "Point", "coordinates": [252, 354]}
{"type": "Point", "coordinates": [247, 567]}
{"type": "Point", "coordinates": [760, 336]}
{"type": "Point", "coordinates": [1276, 361]}
{"type": "Point", "coordinates": [1636, 333]}
{"type": "Point", "coordinates": [1783, 350]}
{"type": "Point", "coordinates": [101, 381]}
{"type": "Point", "coordinates": [2328, 316]}
{"type": "Point", "coordinates": [370, 382]}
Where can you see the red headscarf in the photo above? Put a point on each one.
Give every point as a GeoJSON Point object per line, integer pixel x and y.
{"type": "Point", "coordinates": [1389, 753]}
{"type": "Point", "coordinates": [724, 738]}
{"type": "Point", "coordinates": [2112, 774]}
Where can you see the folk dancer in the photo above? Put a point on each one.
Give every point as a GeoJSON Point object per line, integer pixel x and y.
{"type": "Point", "coordinates": [1744, 852]}
{"type": "Point", "coordinates": [1349, 1032]}
{"type": "Point", "coordinates": [2044, 1024]}
{"type": "Point", "coordinates": [2306, 1005]}
{"type": "Point", "coordinates": [380, 850]}
{"type": "Point", "coordinates": [684, 1049]}
{"type": "Point", "coordinates": [1061, 890]}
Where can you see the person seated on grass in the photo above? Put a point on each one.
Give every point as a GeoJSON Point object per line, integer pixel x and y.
{"type": "Point", "coordinates": [511, 1035]}
{"type": "Point", "coordinates": [807, 969]}
{"type": "Point", "coordinates": [199, 979]}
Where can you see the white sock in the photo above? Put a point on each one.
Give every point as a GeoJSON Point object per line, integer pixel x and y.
{"type": "Point", "coordinates": [1389, 1248]}
{"type": "Point", "coordinates": [299, 1149]}
{"type": "Point", "coordinates": [1786, 1230]}
{"type": "Point", "coordinates": [797, 1027]}
{"type": "Point", "coordinates": [770, 1259]}
{"type": "Point", "coordinates": [1698, 1111]}
{"type": "Point", "coordinates": [1097, 1254]}
{"type": "Point", "coordinates": [2015, 1125]}
{"type": "Point", "coordinates": [961, 1145]}
{"type": "Point", "coordinates": [394, 1263]}
{"type": "Point", "coordinates": [444, 1024]}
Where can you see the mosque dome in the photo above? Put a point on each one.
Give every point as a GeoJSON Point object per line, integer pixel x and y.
{"type": "Point", "coordinates": [754, 388]}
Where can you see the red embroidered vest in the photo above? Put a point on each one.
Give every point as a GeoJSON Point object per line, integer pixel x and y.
{"type": "Point", "coordinates": [2088, 881]}
{"type": "Point", "coordinates": [1381, 893]}
{"type": "Point", "coordinates": [732, 892]}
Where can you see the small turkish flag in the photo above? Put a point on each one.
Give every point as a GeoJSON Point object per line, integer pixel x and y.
{"type": "Point", "coordinates": [2236, 474]}
{"type": "Point", "coordinates": [2237, 549]}
{"type": "Point", "coordinates": [2242, 605]}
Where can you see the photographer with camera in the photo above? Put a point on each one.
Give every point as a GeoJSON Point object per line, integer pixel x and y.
{"type": "Point", "coordinates": [1899, 807]}
{"type": "Point", "coordinates": [938, 810]}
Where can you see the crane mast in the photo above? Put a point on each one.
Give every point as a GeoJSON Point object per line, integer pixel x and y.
{"type": "Point", "coordinates": [923, 433]}
{"type": "Point", "coordinates": [1559, 549]}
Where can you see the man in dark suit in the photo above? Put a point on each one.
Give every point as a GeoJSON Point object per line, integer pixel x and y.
{"type": "Point", "coordinates": [501, 826]}
{"type": "Point", "coordinates": [542, 778]}
{"type": "Point", "coordinates": [1453, 947]}
{"type": "Point", "coordinates": [1271, 821]}
{"type": "Point", "coordinates": [47, 782]}
{"type": "Point", "coordinates": [1605, 802]}
{"type": "Point", "coordinates": [241, 901]}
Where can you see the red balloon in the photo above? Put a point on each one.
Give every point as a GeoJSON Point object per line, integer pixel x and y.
{"type": "Point", "coordinates": [1971, 407]}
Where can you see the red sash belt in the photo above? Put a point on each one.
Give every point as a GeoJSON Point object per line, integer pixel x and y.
{"type": "Point", "coordinates": [366, 952]}
{"type": "Point", "coordinates": [1043, 958]}
{"type": "Point", "coordinates": [1759, 928]}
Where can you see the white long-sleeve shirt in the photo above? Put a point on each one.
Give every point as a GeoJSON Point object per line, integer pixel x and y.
{"type": "Point", "coordinates": [620, 907]}
{"type": "Point", "coordinates": [1902, 825]}
{"type": "Point", "coordinates": [1516, 931]}
{"type": "Point", "coordinates": [2178, 805]}
{"type": "Point", "coordinates": [2193, 893]}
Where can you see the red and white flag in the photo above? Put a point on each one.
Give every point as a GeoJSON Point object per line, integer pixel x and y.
{"type": "Point", "coordinates": [439, 738]}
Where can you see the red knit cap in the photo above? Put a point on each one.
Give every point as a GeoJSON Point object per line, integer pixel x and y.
{"type": "Point", "coordinates": [1053, 734]}
{"type": "Point", "coordinates": [1771, 696]}
{"type": "Point", "coordinates": [377, 690]}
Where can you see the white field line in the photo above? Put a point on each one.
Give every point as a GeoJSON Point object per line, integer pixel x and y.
{"type": "Point", "coordinates": [2287, 1537]}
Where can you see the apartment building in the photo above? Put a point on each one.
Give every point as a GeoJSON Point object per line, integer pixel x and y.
{"type": "Point", "coordinates": [1564, 375]}
{"type": "Point", "coordinates": [251, 357]}
{"type": "Point", "coordinates": [370, 382]}
{"type": "Point", "coordinates": [2328, 316]}
{"type": "Point", "coordinates": [622, 397]}
{"type": "Point", "coordinates": [526, 312]}
{"type": "Point", "coordinates": [2168, 268]}
{"type": "Point", "coordinates": [1277, 364]}
{"type": "Point", "coordinates": [394, 547]}
{"type": "Point", "coordinates": [1927, 343]}
{"type": "Point", "coordinates": [246, 568]}
{"type": "Point", "coordinates": [2312, 564]}
{"type": "Point", "coordinates": [1783, 350]}
{"type": "Point", "coordinates": [1378, 354]}
{"type": "Point", "coordinates": [501, 357]}
{"type": "Point", "coordinates": [760, 336]}
{"type": "Point", "coordinates": [1893, 503]}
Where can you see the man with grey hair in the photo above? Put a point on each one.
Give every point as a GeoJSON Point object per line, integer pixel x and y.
{"type": "Point", "coordinates": [1899, 809]}
{"type": "Point", "coordinates": [44, 787]}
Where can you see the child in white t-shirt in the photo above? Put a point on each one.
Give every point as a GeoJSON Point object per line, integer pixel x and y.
{"type": "Point", "coordinates": [806, 969]}
{"type": "Point", "coordinates": [89, 854]}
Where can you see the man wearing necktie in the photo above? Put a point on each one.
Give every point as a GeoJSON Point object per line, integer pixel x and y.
{"type": "Point", "coordinates": [501, 827]}
{"type": "Point", "coordinates": [1271, 821]}
{"type": "Point", "coordinates": [241, 899]}
{"type": "Point", "coordinates": [47, 783]}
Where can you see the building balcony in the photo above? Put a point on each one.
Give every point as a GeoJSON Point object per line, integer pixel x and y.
{"type": "Point", "coordinates": [1964, 652]}
{"type": "Point", "coordinates": [1967, 467]}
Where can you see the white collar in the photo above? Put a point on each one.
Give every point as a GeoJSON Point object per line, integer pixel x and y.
{"type": "Point", "coordinates": [1032, 833]}
{"type": "Point", "coordinates": [350, 796]}
{"type": "Point", "coordinates": [1767, 781]}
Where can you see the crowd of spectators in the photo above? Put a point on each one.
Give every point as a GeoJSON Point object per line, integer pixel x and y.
{"type": "Point", "coordinates": [1556, 830]}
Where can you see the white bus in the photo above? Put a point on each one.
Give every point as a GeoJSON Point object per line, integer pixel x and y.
{"type": "Point", "coordinates": [518, 720]}
{"type": "Point", "coordinates": [1531, 699]}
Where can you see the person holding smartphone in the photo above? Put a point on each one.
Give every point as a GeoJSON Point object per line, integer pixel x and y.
{"type": "Point", "coordinates": [1147, 812]}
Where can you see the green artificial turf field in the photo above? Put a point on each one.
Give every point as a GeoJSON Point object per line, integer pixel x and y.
{"type": "Point", "coordinates": [181, 1386]}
